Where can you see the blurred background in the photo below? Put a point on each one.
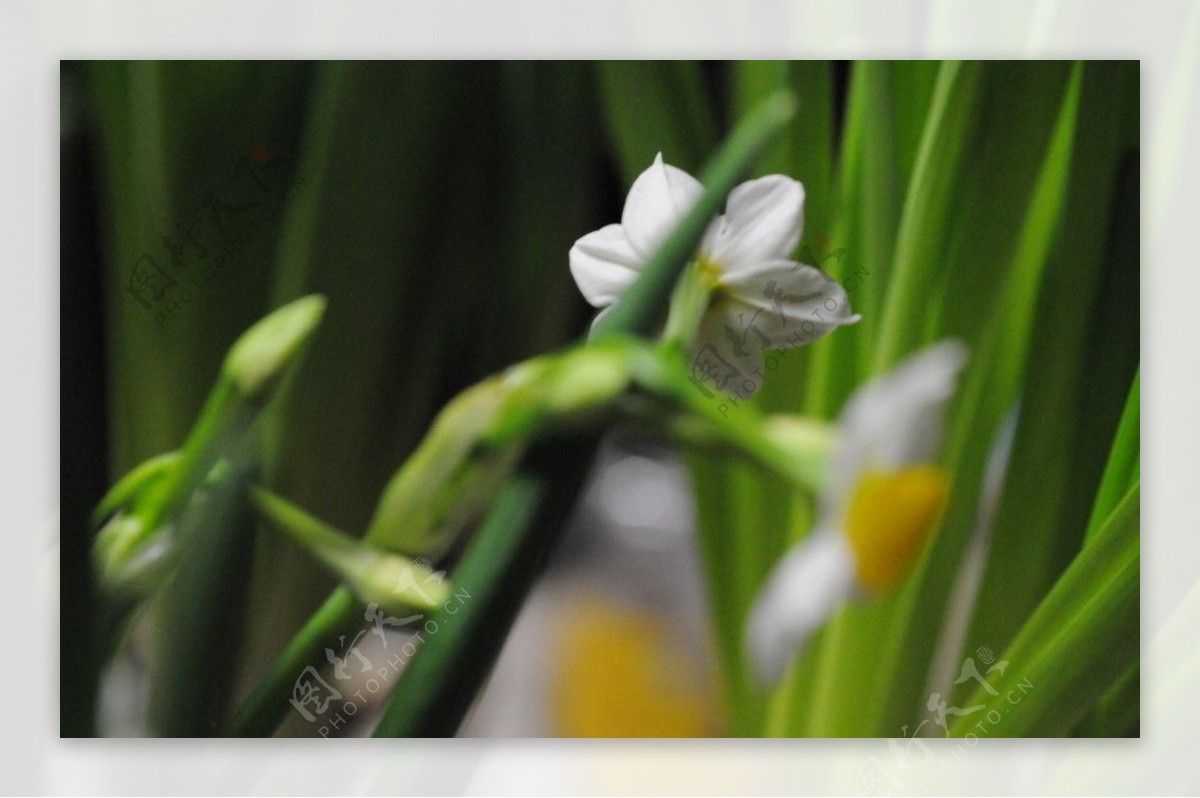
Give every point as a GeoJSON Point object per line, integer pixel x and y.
{"type": "Point", "coordinates": [434, 204]}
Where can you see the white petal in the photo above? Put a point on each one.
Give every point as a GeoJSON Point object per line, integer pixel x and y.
{"type": "Point", "coordinates": [763, 220]}
{"type": "Point", "coordinates": [604, 265]}
{"type": "Point", "coordinates": [798, 304]}
{"type": "Point", "coordinates": [658, 199]}
{"type": "Point", "coordinates": [896, 419]}
{"type": "Point", "coordinates": [729, 352]}
{"type": "Point", "coordinates": [813, 580]}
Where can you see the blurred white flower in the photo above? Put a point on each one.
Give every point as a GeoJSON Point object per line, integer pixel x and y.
{"type": "Point", "coordinates": [883, 498]}
{"type": "Point", "coordinates": [762, 298]}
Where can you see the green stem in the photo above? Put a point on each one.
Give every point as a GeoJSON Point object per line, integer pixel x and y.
{"type": "Point", "coordinates": [795, 449]}
{"type": "Point", "coordinates": [496, 574]}
{"type": "Point", "coordinates": [266, 707]}
{"type": "Point", "coordinates": [689, 301]}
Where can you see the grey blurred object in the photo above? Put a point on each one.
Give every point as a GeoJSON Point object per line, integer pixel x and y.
{"type": "Point", "coordinates": [631, 543]}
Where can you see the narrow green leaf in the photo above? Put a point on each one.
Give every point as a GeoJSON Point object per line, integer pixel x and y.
{"type": "Point", "coordinates": [887, 108]}
{"type": "Point", "coordinates": [656, 106]}
{"type": "Point", "coordinates": [267, 704]}
{"type": "Point", "coordinates": [194, 156]}
{"type": "Point", "coordinates": [1124, 460]}
{"type": "Point", "coordinates": [194, 633]}
{"type": "Point", "coordinates": [175, 135]}
{"type": "Point", "coordinates": [1080, 641]}
{"type": "Point", "coordinates": [1071, 401]}
{"type": "Point", "coordinates": [439, 684]}
{"type": "Point", "coordinates": [1118, 713]}
{"type": "Point", "coordinates": [927, 208]}
{"type": "Point", "coordinates": [550, 178]}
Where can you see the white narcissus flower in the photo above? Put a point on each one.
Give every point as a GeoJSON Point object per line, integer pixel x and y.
{"type": "Point", "coordinates": [883, 497]}
{"type": "Point", "coordinates": [762, 298]}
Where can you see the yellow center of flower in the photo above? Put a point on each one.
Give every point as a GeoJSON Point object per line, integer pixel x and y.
{"type": "Point", "coordinates": [710, 272]}
{"type": "Point", "coordinates": [890, 517]}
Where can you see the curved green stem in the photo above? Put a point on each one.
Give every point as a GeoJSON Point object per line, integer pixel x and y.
{"type": "Point", "coordinates": [689, 301]}
{"type": "Point", "coordinates": [266, 707]}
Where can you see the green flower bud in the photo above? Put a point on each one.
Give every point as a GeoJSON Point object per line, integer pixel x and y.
{"type": "Point", "coordinates": [151, 497]}
{"type": "Point", "coordinates": [375, 576]}
{"type": "Point", "coordinates": [259, 359]}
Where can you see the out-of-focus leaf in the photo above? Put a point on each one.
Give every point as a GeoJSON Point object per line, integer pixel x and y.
{"type": "Point", "coordinates": [929, 206]}
{"type": "Point", "coordinates": [83, 411]}
{"type": "Point", "coordinates": [1080, 640]}
{"type": "Point", "coordinates": [656, 106]}
{"type": "Point", "coordinates": [178, 144]}
{"type": "Point", "coordinates": [1124, 461]}
{"type": "Point", "coordinates": [1073, 394]}
{"type": "Point", "coordinates": [550, 180]}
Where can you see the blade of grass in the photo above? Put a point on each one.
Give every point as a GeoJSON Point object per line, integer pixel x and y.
{"type": "Point", "coordinates": [502, 564]}
{"type": "Point", "coordinates": [656, 106]}
{"type": "Point", "coordinates": [887, 107]}
{"type": "Point", "coordinates": [1072, 399]}
{"type": "Point", "coordinates": [1081, 639]}
{"type": "Point", "coordinates": [190, 695]}
{"type": "Point", "coordinates": [879, 148]}
{"type": "Point", "coordinates": [926, 208]}
{"type": "Point", "coordinates": [170, 132]}
{"type": "Point", "coordinates": [1118, 713]}
{"type": "Point", "coordinates": [550, 175]}
{"type": "Point", "coordinates": [1124, 460]}
{"type": "Point", "coordinates": [746, 516]}
{"type": "Point", "coordinates": [265, 707]}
